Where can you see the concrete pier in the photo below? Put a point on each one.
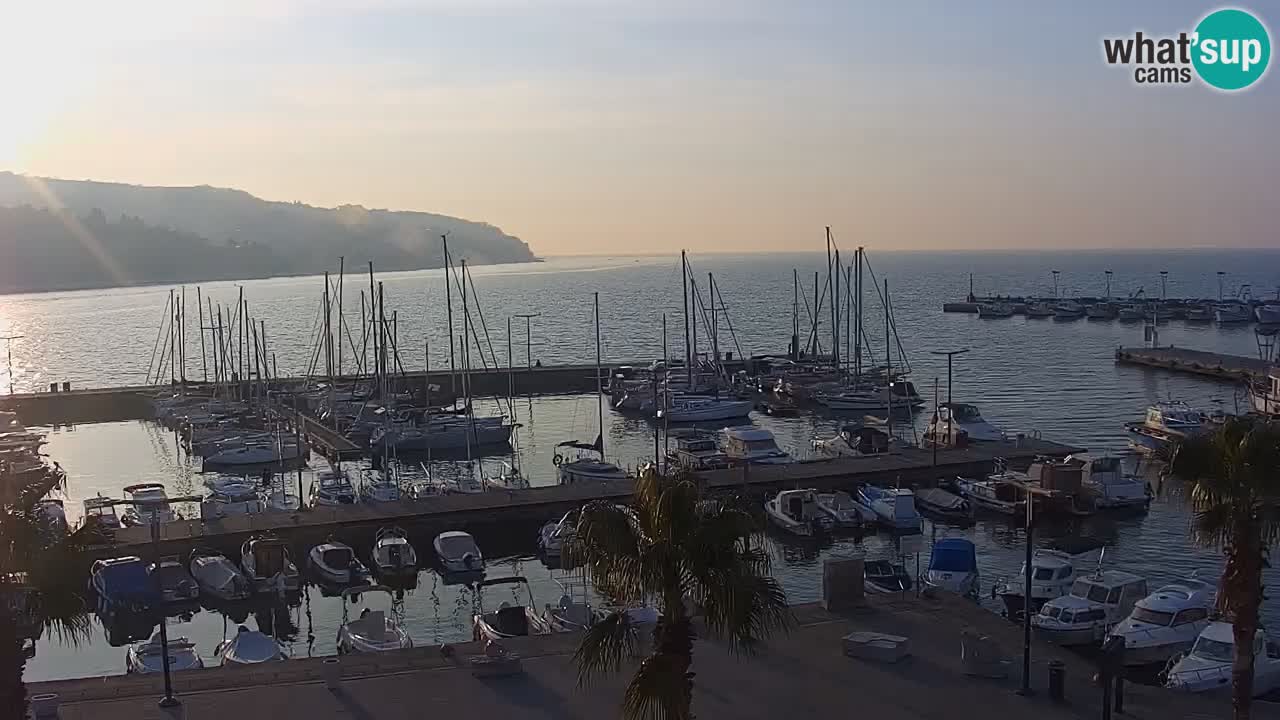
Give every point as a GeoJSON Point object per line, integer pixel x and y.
{"type": "Point", "coordinates": [800, 674]}
{"type": "Point", "coordinates": [1195, 362]}
{"type": "Point", "coordinates": [484, 514]}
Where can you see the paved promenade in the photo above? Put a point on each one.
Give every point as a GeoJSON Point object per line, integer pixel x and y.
{"type": "Point", "coordinates": [800, 675]}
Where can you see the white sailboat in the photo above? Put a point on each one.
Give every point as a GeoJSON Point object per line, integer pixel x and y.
{"type": "Point", "coordinates": [584, 468]}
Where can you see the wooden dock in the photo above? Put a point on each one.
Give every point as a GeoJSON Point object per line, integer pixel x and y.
{"type": "Point", "coordinates": [512, 517]}
{"type": "Point", "coordinates": [1195, 362]}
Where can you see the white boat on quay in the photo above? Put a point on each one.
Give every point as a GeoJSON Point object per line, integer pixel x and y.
{"type": "Point", "coordinates": [373, 631]}
{"type": "Point", "coordinates": [1207, 667]}
{"type": "Point", "coordinates": [1096, 602]}
{"type": "Point", "coordinates": [148, 657]}
{"type": "Point", "coordinates": [1166, 622]}
{"type": "Point", "coordinates": [249, 647]}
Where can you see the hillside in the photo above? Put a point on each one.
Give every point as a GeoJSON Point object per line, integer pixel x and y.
{"type": "Point", "coordinates": [269, 238]}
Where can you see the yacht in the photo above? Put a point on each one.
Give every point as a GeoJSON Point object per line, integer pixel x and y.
{"type": "Point", "coordinates": [1068, 310]}
{"type": "Point", "coordinates": [443, 432]}
{"type": "Point", "coordinates": [1111, 487]}
{"type": "Point", "coordinates": [148, 657]}
{"type": "Point", "coordinates": [1095, 604]}
{"type": "Point", "coordinates": [895, 508]}
{"type": "Point", "coordinates": [697, 453]}
{"type": "Point", "coordinates": [797, 512]}
{"type": "Point", "coordinates": [458, 552]}
{"type": "Point", "coordinates": [1165, 423]}
{"type": "Point", "coordinates": [691, 409]}
{"type": "Point", "coordinates": [249, 647]}
{"type": "Point", "coordinates": [374, 630]}
{"type": "Point", "coordinates": [262, 452]}
{"type": "Point", "coordinates": [151, 505]}
{"type": "Point", "coordinates": [953, 566]}
{"type": "Point", "coordinates": [752, 446]}
{"type": "Point", "coordinates": [509, 620]}
{"type": "Point", "coordinates": [336, 563]}
{"type": "Point", "coordinates": [1209, 664]}
{"type": "Point", "coordinates": [229, 500]}
{"type": "Point", "coordinates": [1166, 622]}
{"type": "Point", "coordinates": [845, 512]}
{"type": "Point", "coordinates": [393, 554]}
{"type": "Point", "coordinates": [217, 577]}
{"type": "Point", "coordinates": [952, 419]}
{"type": "Point", "coordinates": [376, 487]}
{"type": "Point", "coordinates": [332, 488]}
{"type": "Point", "coordinates": [1052, 575]}
{"type": "Point", "coordinates": [266, 562]}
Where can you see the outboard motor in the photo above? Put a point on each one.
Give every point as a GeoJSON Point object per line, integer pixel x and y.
{"type": "Point", "coordinates": [469, 560]}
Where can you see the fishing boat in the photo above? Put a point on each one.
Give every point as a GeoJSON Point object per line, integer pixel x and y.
{"type": "Point", "coordinates": [148, 504]}
{"type": "Point", "coordinates": [1133, 313]}
{"type": "Point", "coordinates": [374, 630]}
{"type": "Point", "coordinates": [1101, 311]}
{"type": "Point", "coordinates": [393, 554]}
{"type": "Point", "coordinates": [1199, 314]}
{"type": "Point", "coordinates": [953, 420]}
{"type": "Point", "coordinates": [508, 620]}
{"type": "Point", "coordinates": [691, 409]}
{"type": "Point", "coordinates": [553, 536]}
{"type": "Point", "coordinates": [1231, 313]}
{"type": "Point", "coordinates": [458, 552]}
{"type": "Point", "coordinates": [249, 647]}
{"type": "Point", "coordinates": [217, 577]}
{"type": "Point", "coordinates": [332, 487]}
{"type": "Point", "coordinates": [100, 512]}
{"type": "Point", "coordinates": [1095, 603]}
{"type": "Point", "coordinates": [336, 563]}
{"type": "Point", "coordinates": [266, 562]}
{"type": "Point", "coordinates": [797, 512]}
{"type": "Point", "coordinates": [1166, 622]}
{"type": "Point", "coordinates": [748, 445]}
{"type": "Point", "coordinates": [1208, 666]}
{"type": "Point", "coordinates": [1068, 310]}
{"type": "Point", "coordinates": [943, 504]}
{"type": "Point", "coordinates": [882, 576]}
{"type": "Point", "coordinates": [176, 583]}
{"type": "Point", "coordinates": [895, 508]}
{"type": "Point", "coordinates": [123, 584]}
{"type": "Point", "coordinates": [953, 566]}
{"type": "Point", "coordinates": [845, 512]}
{"type": "Point", "coordinates": [995, 310]}
{"type": "Point", "coordinates": [378, 487]}
{"type": "Point", "coordinates": [1111, 487]}
{"type": "Point", "coordinates": [1052, 575]}
{"type": "Point", "coordinates": [1039, 310]}
{"type": "Point", "coordinates": [1165, 424]}
{"type": "Point", "coordinates": [148, 657]}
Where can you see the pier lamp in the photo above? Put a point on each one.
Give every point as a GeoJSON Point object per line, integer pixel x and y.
{"type": "Point", "coordinates": [151, 508]}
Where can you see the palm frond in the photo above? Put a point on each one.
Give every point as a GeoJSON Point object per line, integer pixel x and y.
{"type": "Point", "coordinates": [742, 608]}
{"type": "Point", "coordinates": [606, 541]}
{"type": "Point", "coordinates": [604, 646]}
{"type": "Point", "coordinates": [661, 689]}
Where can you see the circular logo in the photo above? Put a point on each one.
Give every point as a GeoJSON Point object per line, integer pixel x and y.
{"type": "Point", "coordinates": [1232, 49]}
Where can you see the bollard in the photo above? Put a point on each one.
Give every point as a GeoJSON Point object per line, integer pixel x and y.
{"type": "Point", "coordinates": [1057, 681]}
{"type": "Point", "coordinates": [44, 706]}
{"type": "Point", "coordinates": [331, 671]}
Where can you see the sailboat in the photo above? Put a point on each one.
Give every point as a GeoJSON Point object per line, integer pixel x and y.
{"type": "Point", "coordinates": [584, 468]}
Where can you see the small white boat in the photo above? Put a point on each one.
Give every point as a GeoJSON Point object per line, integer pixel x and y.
{"type": "Point", "coordinates": [267, 564]}
{"type": "Point", "coordinates": [955, 420]}
{"type": "Point", "coordinates": [1112, 488]}
{"type": "Point", "coordinates": [280, 500]}
{"type": "Point", "coordinates": [883, 576]}
{"type": "Point", "coordinates": [1101, 311]}
{"type": "Point", "coordinates": [336, 563]}
{"type": "Point", "coordinates": [148, 657]}
{"type": "Point", "coordinates": [1095, 604]}
{"type": "Point", "coordinates": [508, 620]}
{"type": "Point", "coordinates": [249, 647]}
{"type": "Point", "coordinates": [393, 554]}
{"type": "Point", "coordinates": [151, 505]}
{"type": "Point", "coordinates": [1200, 313]}
{"type": "Point", "coordinates": [895, 508]}
{"type": "Point", "coordinates": [992, 310]}
{"type": "Point", "coordinates": [1166, 622]}
{"type": "Point", "coordinates": [1052, 575]}
{"type": "Point", "coordinates": [845, 512]}
{"type": "Point", "coordinates": [101, 512]}
{"type": "Point", "coordinates": [587, 469]}
{"type": "Point", "coordinates": [508, 477]}
{"type": "Point", "coordinates": [689, 409]}
{"type": "Point", "coordinates": [953, 566]}
{"type": "Point", "coordinates": [553, 536]}
{"type": "Point", "coordinates": [176, 583]}
{"type": "Point", "coordinates": [218, 577]}
{"type": "Point", "coordinates": [797, 512]}
{"type": "Point", "coordinates": [230, 500]}
{"type": "Point", "coordinates": [993, 494]}
{"type": "Point", "coordinates": [1039, 309]}
{"type": "Point", "coordinates": [332, 488]}
{"type": "Point", "coordinates": [1264, 394]}
{"type": "Point", "coordinates": [853, 441]}
{"type": "Point", "coordinates": [458, 552]}
{"type": "Point", "coordinates": [374, 630]}
{"type": "Point", "coordinates": [376, 487]}
{"type": "Point", "coordinates": [943, 504]}
{"type": "Point", "coordinates": [1268, 314]}
{"type": "Point", "coordinates": [1068, 310]}
{"type": "Point", "coordinates": [1165, 423]}
{"type": "Point", "coordinates": [753, 446]}
{"type": "Point", "coordinates": [266, 453]}
{"type": "Point", "coordinates": [573, 612]}
{"type": "Point", "coordinates": [1208, 666]}
{"type": "Point", "coordinates": [1232, 312]}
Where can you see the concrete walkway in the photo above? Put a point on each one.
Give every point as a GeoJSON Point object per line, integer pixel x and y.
{"type": "Point", "coordinates": [800, 675]}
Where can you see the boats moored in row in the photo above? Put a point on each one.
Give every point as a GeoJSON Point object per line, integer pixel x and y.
{"type": "Point", "coordinates": [1207, 667]}
{"type": "Point", "coordinates": [797, 512]}
{"type": "Point", "coordinates": [1166, 622]}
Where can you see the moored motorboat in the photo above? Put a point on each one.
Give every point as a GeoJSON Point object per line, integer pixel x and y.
{"type": "Point", "coordinates": [1166, 622]}
{"type": "Point", "coordinates": [846, 513]}
{"type": "Point", "coordinates": [1208, 666]}
{"type": "Point", "coordinates": [883, 576]}
{"type": "Point", "coordinates": [266, 562]}
{"type": "Point", "coordinates": [336, 563]}
{"type": "Point", "coordinates": [1165, 424]}
{"type": "Point", "coordinates": [953, 566]}
{"type": "Point", "coordinates": [332, 487]}
{"type": "Point", "coordinates": [695, 409]}
{"type": "Point", "coordinates": [148, 657]}
{"type": "Point", "coordinates": [123, 584]}
{"type": "Point", "coordinates": [1052, 575]}
{"type": "Point", "coordinates": [249, 647]}
{"type": "Point", "coordinates": [217, 577]}
{"type": "Point", "coordinates": [1068, 310]}
{"type": "Point", "coordinates": [148, 504]}
{"type": "Point", "coordinates": [994, 310]}
{"type": "Point", "coordinates": [943, 504]}
{"type": "Point", "coordinates": [752, 445]}
{"type": "Point", "coordinates": [953, 421]}
{"type": "Point", "coordinates": [100, 512]}
{"type": "Point", "coordinates": [556, 534]}
{"type": "Point", "coordinates": [458, 552]}
{"type": "Point", "coordinates": [508, 620]}
{"type": "Point", "coordinates": [175, 582]}
{"type": "Point", "coordinates": [1111, 487]}
{"type": "Point", "coordinates": [393, 554]}
{"type": "Point", "coordinates": [895, 508]}
{"type": "Point", "coordinates": [374, 630]}
{"type": "Point", "coordinates": [797, 512]}
{"type": "Point", "coordinates": [1095, 603]}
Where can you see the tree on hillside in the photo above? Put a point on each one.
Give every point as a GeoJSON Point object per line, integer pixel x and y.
{"type": "Point", "coordinates": [1234, 477]}
{"type": "Point", "coordinates": [674, 551]}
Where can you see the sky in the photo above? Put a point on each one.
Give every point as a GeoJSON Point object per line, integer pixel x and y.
{"type": "Point", "coordinates": [620, 126]}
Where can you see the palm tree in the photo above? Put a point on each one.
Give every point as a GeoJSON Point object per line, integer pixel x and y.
{"type": "Point", "coordinates": [672, 549]}
{"type": "Point", "coordinates": [1234, 476]}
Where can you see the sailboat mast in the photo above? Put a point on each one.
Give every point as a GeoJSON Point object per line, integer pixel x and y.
{"type": "Point", "coordinates": [328, 333]}
{"type": "Point", "coordinates": [715, 322]}
{"type": "Point", "coordinates": [511, 377]}
{"type": "Point", "coordinates": [373, 329]}
{"type": "Point", "coordinates": [888, 358]}
{"type": "Point", "coordinates": [795, 314]}
{"type": "Point", "coordinates": [204, 360]}
{"type": "Point", "coordinates": [341, 318]}
{"type": "Point", "coordinates": [813, 350]}
{"type": "Point", "coordinates": [448, 304]}
{"type": "Point", "coordinates": [599, 381]}
{"type": "Point", "coordinates": [857, 326]}
{"type": "Point", "coordinates": [688, 355]}
{"type": "Point", "coordinates": [848, 314]}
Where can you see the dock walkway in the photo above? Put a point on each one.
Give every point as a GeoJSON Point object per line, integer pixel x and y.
{"type": "Point", "coordinates": [531, 507]}
{"type": "Point", "coordinates": [801, 674]}
{"type": "Point", "coordinates": [1195, 362]}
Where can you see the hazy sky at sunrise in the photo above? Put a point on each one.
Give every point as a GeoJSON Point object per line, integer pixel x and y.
{"type": "Point", "coordinates": [619, 126]}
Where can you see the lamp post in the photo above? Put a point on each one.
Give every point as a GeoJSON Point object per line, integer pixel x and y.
{"type": "Point", "coordinates": [9, 341]}
{"type": "Point", "coordinates": [950, 354]}
{"type": "Point", "coordinates": [1164, 284]}
{"type": "Point", "coordinates": [1026, 603]}
{"type": "Point", "coordinates": [1055, 283]}
{"type": "Point", "coordinates": [528, 337]}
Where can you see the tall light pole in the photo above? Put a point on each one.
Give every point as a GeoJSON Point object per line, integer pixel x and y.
{"type": "Point", "coordinates": [1164, 284]}
{"type": "Point", "coordinates": [950, 354]}
{"type": "Point", "coordinates": [1108, 297]}
{"type": "Point", "coordinates": [9, 340]}
{"type": "Point", "coordinates": [1055, 283]}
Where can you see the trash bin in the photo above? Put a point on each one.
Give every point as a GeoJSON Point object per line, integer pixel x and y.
{"type": "Point", "coordinates": [1057, 680]}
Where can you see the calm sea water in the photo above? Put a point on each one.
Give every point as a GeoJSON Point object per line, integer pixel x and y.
{"type": "Point", "coordinates": [1057, 378]}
